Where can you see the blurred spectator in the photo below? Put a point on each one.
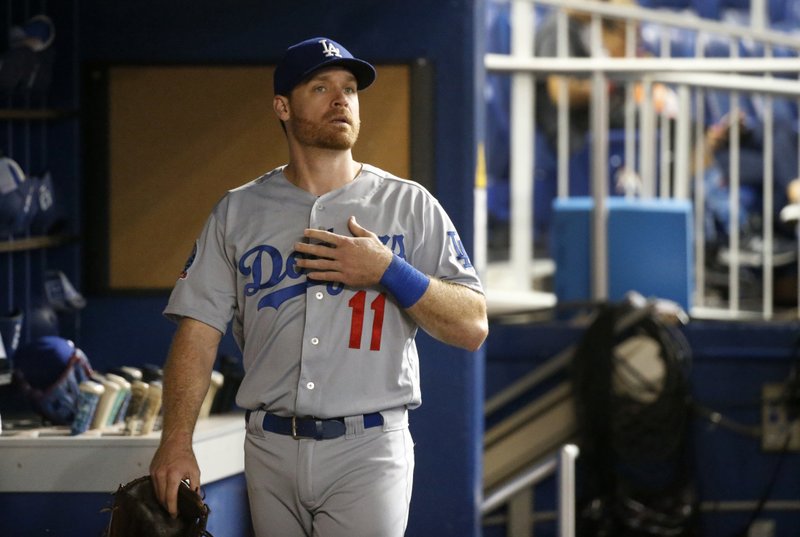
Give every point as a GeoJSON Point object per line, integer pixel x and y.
{"type": "Point", "coordinates": [579, 89]}
{"type": "Point", "coordinates": [751, 174]}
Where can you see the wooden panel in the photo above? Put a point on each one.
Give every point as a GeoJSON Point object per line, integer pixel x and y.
{"type": "Point", "coordinates": [181, 136]}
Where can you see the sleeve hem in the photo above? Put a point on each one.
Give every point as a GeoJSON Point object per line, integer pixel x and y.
{"type": "Point", "coordinates": [176, 315]}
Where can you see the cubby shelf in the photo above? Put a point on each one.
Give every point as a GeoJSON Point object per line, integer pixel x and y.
{"type": "Point", "coordinates": [33, 243]}
{"type": "Point", "coordinates": [21, 114]}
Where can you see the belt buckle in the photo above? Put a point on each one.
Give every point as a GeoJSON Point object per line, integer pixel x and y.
{"type": "Point", "coordinates": [295, 434]}
{"type": "Point", "coordinates": [294, 428]}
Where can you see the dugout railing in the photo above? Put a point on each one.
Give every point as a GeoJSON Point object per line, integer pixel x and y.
{"type": "Point", "coordinates": [516, 494]}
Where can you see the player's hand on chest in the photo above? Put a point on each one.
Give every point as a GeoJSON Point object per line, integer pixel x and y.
{"type": "Point", "coordinates": [357, 261]}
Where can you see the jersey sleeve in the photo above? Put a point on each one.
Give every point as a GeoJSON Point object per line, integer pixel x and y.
{"type": "Point", "coordinates": [441, 253]}
{"type": "Point", "coordinates": [206, 288]}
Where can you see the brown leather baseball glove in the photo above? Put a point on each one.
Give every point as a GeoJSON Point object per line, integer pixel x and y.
{"type": "Point", "coordinates": [136, 512]}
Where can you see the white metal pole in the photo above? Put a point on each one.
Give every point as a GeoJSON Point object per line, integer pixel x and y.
{"type": "Point", "coordinates": [665, 148]}
{"type": "Point", "coordinates": [647, 139]}
{"type": "Point", "coordinates": [769, 205]}
{"type": "Point", "coordinates": [768, 209]}
{"type": "Point", "coordinates": [682, 144]}
{"type": "Point", "coordinates": [700, 199]}
{"type": "Point", "coordinates": [734, 137]}
{"type": "Point", "coordinates": [664, 158]}
{"type": "Point", "coordinates": [599, 180]}
{"type": "Point", "coordinates": [630, 102]}
{"type": "Point", "coordinates": [522, 136]}
{"type": "Point", "coordinates": [563, 108]}
{"type": "Point", "coordinates": [758, 14]}
{"type": "Point", "coordinates": [566, 490]}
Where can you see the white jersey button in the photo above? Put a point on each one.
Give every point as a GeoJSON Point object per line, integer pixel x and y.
{"type": "Point", "coordinates": [319, 295]}
{"type": "Point", "coordinates": [320, 207]}
{"type": "Point", "coordinates": [310, 385]}
{"type": "Point", "coordinates": [315, 341]}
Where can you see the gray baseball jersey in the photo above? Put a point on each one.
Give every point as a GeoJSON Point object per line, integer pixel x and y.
{"type": "Point", "coordinates": [313, 348]}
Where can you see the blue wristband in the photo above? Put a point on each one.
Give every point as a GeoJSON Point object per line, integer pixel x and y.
{"type": "Point", "coordinates": [404, 282]}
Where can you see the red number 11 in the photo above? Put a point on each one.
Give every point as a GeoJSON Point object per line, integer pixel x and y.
{"type": "Point", "coordinates": [358, 303]}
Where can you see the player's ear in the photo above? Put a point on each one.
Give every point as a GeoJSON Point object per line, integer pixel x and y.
{"type": "Point", "coordinates": [280, 105]}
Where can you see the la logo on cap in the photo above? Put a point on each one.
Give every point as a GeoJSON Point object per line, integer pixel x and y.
{"type": "Point", "coordinates": [329, 49]}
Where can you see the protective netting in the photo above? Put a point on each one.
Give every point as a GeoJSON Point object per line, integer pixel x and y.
{"type": "Point", "coordinates": [633, 408]}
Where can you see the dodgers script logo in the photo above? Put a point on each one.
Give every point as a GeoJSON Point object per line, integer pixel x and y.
{"type": "Point", "coordinates": [265, 268]}
{"type": "Point", "coordinates": [329, 49]}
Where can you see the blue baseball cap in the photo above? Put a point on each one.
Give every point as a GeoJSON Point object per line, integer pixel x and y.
{"type": "Point", "coordinates": [301, 60]}
{"type": "Point", "coordinates": [43, 360]}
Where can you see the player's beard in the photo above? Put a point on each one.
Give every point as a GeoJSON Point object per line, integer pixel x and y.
{"type": "Point", "coordinates": [325, 135]}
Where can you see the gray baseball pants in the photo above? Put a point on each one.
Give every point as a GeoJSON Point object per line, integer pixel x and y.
{"type": "Point", "coordinates": [357, 485]}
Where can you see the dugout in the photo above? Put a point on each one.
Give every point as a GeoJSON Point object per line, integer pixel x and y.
{"type": "Point", "coordinates": [124, 326]}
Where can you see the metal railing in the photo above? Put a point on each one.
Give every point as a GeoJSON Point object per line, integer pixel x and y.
{"type": "Point", "coordinates": [562, 464]}
{"type": "Point", "coordinates": [690, 78]}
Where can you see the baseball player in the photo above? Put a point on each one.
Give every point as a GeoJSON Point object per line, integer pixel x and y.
{"type": "Point", "coordinates": [326, 267]}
